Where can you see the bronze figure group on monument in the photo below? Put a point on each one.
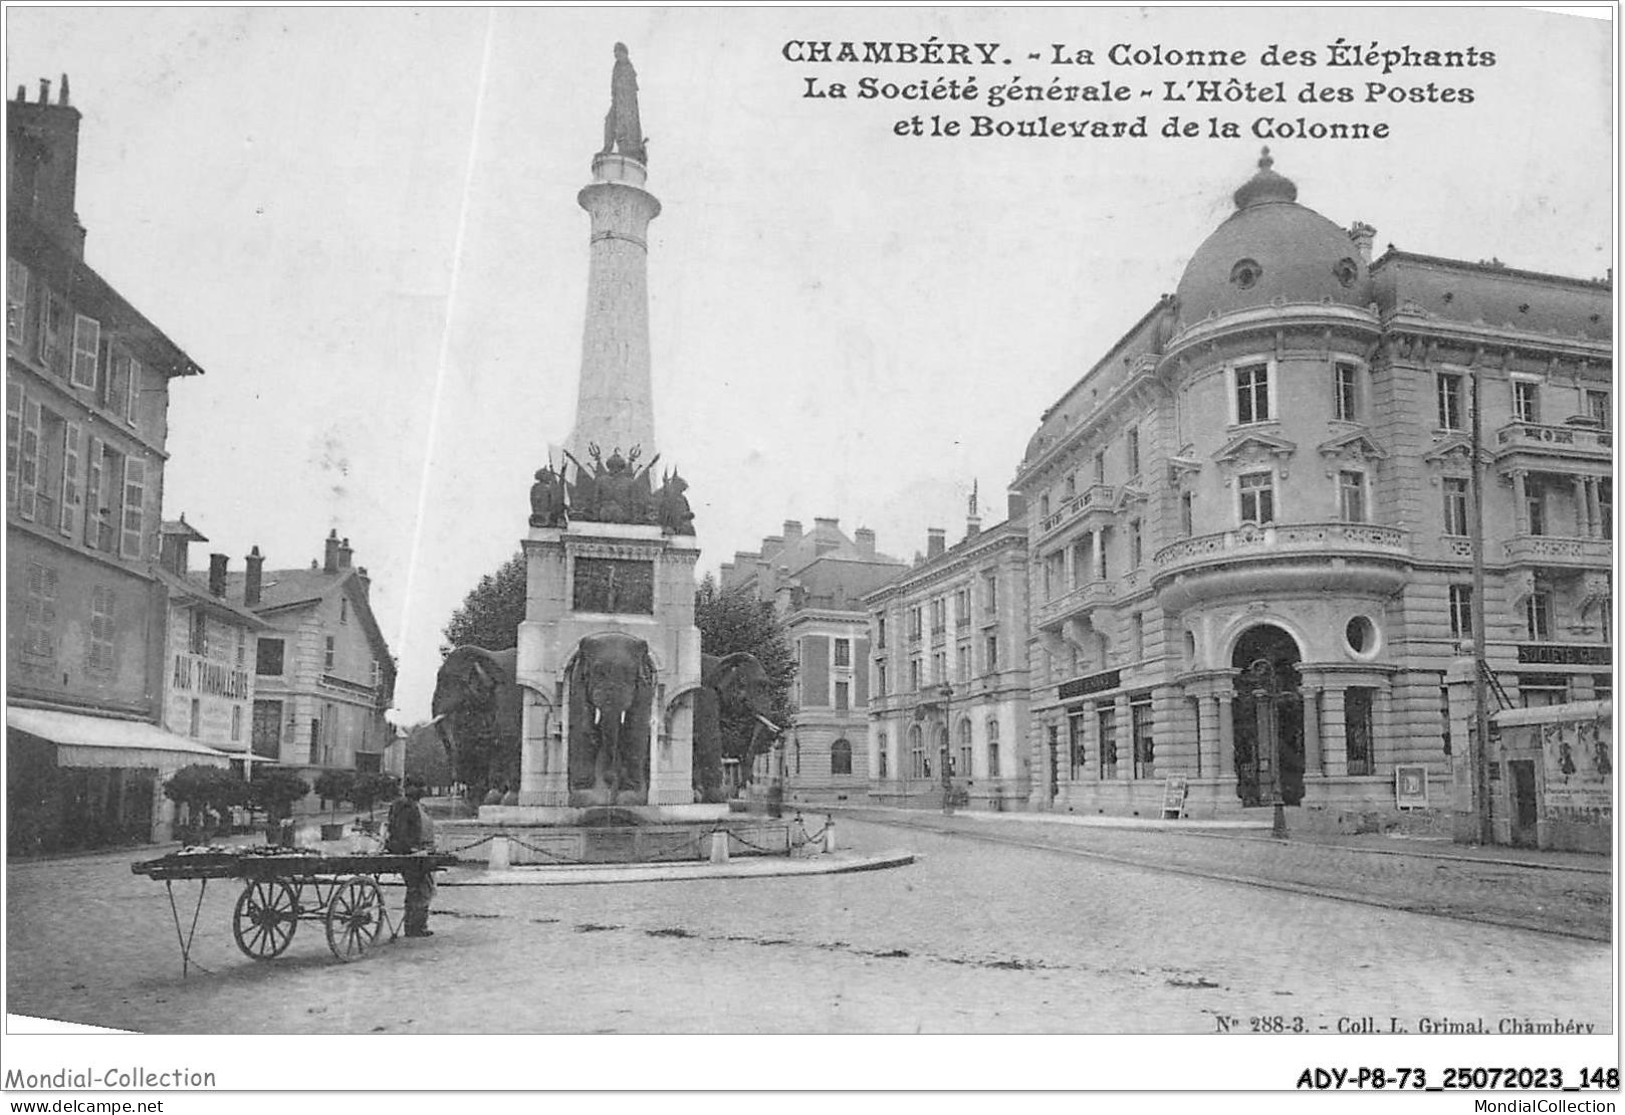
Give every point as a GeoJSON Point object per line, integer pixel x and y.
{"type": "Point", "coordinates": [607, 700]}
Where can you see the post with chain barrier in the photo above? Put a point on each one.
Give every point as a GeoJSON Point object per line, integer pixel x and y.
{"type": "Point", "coordinates": [829, 835]}
{"type": "Point", "coordinates": [501, 856]}
{"type": "Point", "coordinates": [719, 846]}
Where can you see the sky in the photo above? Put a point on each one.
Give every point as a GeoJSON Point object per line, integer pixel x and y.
{"type": "Point", "coordinates": [361, 222]}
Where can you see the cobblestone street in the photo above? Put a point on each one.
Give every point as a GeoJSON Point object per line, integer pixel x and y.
{"type": "Point", "coordinates": [973, 937]}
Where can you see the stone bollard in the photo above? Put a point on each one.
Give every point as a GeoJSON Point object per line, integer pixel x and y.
{"type": "Point", "coordinates": [719, 847]}
{"type": "Point", "coordinates": [501, 854]}
{"type": "Point", "coordinates": [829, 835]}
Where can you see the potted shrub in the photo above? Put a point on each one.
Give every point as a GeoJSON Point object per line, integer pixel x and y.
{"type": "Point", "coordinates": [202, 789]}
{"type": "Point", "coordinates": [334, 787]}
{"type": "Point", "coordinates": [275, 789]}
{"type": "Point", "coordinates": [369, 789]}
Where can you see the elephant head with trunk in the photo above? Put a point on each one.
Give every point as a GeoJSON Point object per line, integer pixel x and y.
{"type": "Point", "coordinates": [611, 681]}
{"type": "Point", "coordinates": [735, 684]}
{"type": "Point", "coordinates": [478, 708]}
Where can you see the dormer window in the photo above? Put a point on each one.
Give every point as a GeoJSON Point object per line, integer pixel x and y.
{"type": "Point", "coordinates": [1346, 271]}
{"type": "Point", "coordinates": [1246, 273]}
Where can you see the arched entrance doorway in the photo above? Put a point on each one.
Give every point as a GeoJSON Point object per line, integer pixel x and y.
{"type": "Point", "coordinates": [1254, 773]}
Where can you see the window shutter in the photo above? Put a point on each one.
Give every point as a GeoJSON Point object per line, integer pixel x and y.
{"type": "Point", "coordinates": [28, 459]}
{"type": "Point", "coordinates": [93, 494]}
{"type": "Point", "coordinates": [87, 345]}
{"type": "Point", "coordinates": [34, 320]}
{"type": "Point", "coordinates": [132, 389]}
{"type": "Point", "coordinates": [135, 491]}
{"type": "Point", "coordinates": [16, 300]}
{"type": "Point", "coordinates": [48, 606]}
{"type": "Point", "coordinates": [14, 436]}
{"type": "Point", "coordinates": [71, 497]}
{"type": "Point", "coordinates": [104, 373]}
{"type": "Point", "coordinates": [55, 344]}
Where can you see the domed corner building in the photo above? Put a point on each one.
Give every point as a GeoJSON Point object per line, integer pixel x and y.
{"type": "Point", "coordinates": [1249, 529]}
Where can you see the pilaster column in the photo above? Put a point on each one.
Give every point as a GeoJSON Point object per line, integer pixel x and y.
{"type": "Point", "coordinates": [1313, 760]}
{"type": "Point", "coordinates": [1594, 507]}
{"type": "Point", "coordinates": [1091, 744]}
{"type": "Point", "coordinates": [1225, 703]}
{"type": "Point", "coordinates": [1208, 765]}
{"type": "Point", "coordinates": [1334, 737]}
{"type": "Point", "coordinates": [1520, 508]}
{"type": "Point", "coordinates": [1582, 506]}
{"type": "Point", "coordinates": [1125, 738]}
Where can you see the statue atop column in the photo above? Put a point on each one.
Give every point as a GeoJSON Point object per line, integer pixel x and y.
{"type": "Point", "coordinates": [622, 129]}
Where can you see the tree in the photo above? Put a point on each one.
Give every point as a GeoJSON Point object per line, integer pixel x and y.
{"type": "Point", "coordinates": [732, 621]}
{"type": "Point", "coordinates": [275, 789]}
{"type": "Point", "coordinates": [426, 757]}
{"type": "Point", "coordinates": [372, 787]}
{"type": "Point", "coordinates": [334, 786]}
{"type": "Point", "coordinates": [200, 787]}
{"type": "Point", "coordinates": [491, 613]}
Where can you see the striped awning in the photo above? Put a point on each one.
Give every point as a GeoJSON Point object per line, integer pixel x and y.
{"type": "Point", "coordinates": [98, 741]}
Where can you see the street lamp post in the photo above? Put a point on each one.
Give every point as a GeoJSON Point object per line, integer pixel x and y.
{"type": "Point", "coordinates": [1266, 692]}
{"type": "Point", "coordinates": [947, 744]}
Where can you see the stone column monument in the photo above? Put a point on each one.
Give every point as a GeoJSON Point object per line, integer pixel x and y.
{"type": "Point", "coordinates": [609, 657]}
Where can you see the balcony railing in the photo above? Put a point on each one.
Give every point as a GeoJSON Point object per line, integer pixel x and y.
{"type": "Point", "coordinates": [1536, 435]}
{"type": "Point", "coordinates": [1094, 496]}
{"type": "Point", "coordinates": [1547, 549]}
{"type": "Point", "coordinates": [1085, 596]}
{"type": "Point", "coordinates": [1272, 540]}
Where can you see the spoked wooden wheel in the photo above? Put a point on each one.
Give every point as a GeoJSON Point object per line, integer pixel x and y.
{"type": "Point", "coordinates": [355, 915]}
{"type": "Point", "coordinates": [267, 914]}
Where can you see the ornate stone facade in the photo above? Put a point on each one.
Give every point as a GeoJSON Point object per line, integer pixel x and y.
{"type": "Point", "coordinates": [1275, 463]}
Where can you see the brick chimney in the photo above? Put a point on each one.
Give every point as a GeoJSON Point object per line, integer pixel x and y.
{"type": "Point", "coordinates": [330, 562]}
{"type": "Point", "coordinates": [1363, 236]}
{"type": "Point", "coordinates": [365, 578]}
{"type": "Point", "coordinates": [865, 540]}
{"type": "Point", "coordinates": [771, 545]}
{"type": "Point", "coordinates": [345, 554]}
{"type": "Point", "coordinates": [217, 575]}
{"type": "Point", "coordinates": [936, 542]}
{"type": "Point", "coordinates": [43, 167]}
{"type": "Point", "coordinates": [792, 532]}
{"type": "Point", "coordinates": [253, 578]}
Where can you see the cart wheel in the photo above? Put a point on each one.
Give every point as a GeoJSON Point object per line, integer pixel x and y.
{"type": "Point", "coordinates": [267, 914]}
{"type": "Point", "coordinates": [355, 914]}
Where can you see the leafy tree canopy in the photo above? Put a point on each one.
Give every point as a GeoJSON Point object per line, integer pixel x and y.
{"type": "Point", "coordinates": [491, 613]}
{"type": "Point", "coordinates": [275, 789]}
{"type": "Point", "coordinates": [200, 786]}
{"type": "Point", "coordinates": [426, 757]}
{"type": "Point", "coordinates": [733, 621]}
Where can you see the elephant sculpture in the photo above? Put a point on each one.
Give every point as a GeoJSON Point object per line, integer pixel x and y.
{"type": "Point", "coordinates": [738, 685]}
{"type": "Point", "coordinates": [611, 681]}
{"type": "Point", "coordinates": [478, 710]}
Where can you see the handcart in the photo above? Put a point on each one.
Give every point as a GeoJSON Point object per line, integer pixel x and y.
{"type": "Point", "coordinates": [283, 887]}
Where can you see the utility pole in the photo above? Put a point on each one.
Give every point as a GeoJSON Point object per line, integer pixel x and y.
{"type": "Point", "coordinates": [1481, 717]}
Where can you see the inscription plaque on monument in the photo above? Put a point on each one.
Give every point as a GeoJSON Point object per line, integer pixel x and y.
{"type": "Point", "coordinates": [614, 585]}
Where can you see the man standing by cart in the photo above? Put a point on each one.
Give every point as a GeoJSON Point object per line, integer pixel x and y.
{"type": "Point", "coordinates": [411, 831]}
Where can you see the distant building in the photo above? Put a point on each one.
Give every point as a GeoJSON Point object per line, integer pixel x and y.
{"type": "Point", "coordinates": [323, 674]}
{"type": "Point", "coordinates": [1249, 523]}
{"type": "Point", "coordinates": [87, 396]}
{"type": "Point", "coordinates": [816, 582]}
{"type": "Point", "coordinates": [209, 679]}
{"type": "Point", "coordinates": [950, 681]}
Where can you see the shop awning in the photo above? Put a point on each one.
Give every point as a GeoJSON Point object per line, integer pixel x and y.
{"type": "Point", "coordinates": [96, 741]}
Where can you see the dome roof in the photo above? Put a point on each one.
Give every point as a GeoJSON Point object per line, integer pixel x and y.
{"type": "Point", "coordinates": [1272, 248]}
